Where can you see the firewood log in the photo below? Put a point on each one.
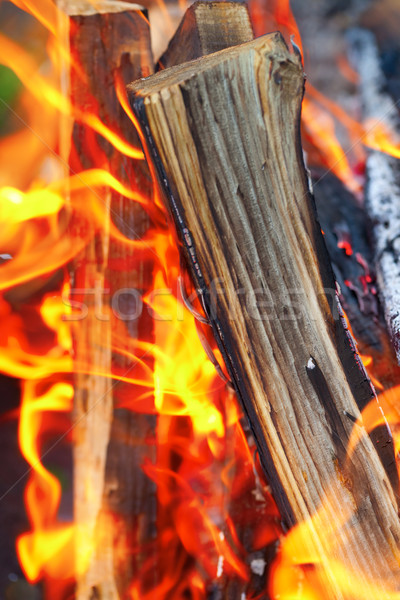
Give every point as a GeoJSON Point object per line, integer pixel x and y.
{"type": "Point", "coordinates": [382, 195]}
{"type": "Point", "coordinates": [223, 133]}
{"type": "Point", "coordinates": [208, 27]}
{"type": "Point", "coordinates": [114, 502]}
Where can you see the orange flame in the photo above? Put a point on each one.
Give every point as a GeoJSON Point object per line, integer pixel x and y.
{"type": "Point", "coordinates": [319, 125]}
{"type": "Point", "coordinates": [14, 57]}
{"type": "Point", "coordinates": [320, 115]}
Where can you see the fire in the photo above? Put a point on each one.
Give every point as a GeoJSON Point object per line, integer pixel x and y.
{"type": "Point", "coordinates": [320, 117]}
{"type": "Point", "coordinates": [319, 125]}
{"type": "Point", "coordinates": [378, 137]}
{"type": "Point", "coordinates": [301, 574]}
{"type": "Point", "coordinates": [208, 478]}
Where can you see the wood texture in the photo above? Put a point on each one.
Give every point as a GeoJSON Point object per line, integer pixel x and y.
{"type": "Point", "coordinates": [113, 500]}
{"type": "Point", "coordinates": [236, 186]}
{"type": "Point", "coordinates": [382, 197]}
{"type": "Point", "coordinates": [208, 27]}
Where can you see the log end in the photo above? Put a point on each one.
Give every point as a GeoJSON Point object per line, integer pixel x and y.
{"type": "Point", "coordinates": [208, 27]}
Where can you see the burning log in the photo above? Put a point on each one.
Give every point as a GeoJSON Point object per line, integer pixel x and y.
{"type": "Point", "coordinates": [208, 27]}
{"type": "Point", "coordinates": [382, 196]}
{"type": "Point", "coordinates": [235, 184]}
{"type": "Point", "coordinates": [113, 499]}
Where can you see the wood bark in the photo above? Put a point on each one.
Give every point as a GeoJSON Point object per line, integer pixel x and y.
{"type": "Point", "coordinates": [236, 187]}
{"type": "Point", "coordinates": [382, 194]}
{"type": "Point", "coordinates": [114, 502]}
{"type": "Point", "coordinates": [205, 28]}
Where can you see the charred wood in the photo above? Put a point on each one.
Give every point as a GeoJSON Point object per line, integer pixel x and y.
{"type": "Point", "coordinates": [345, 226]}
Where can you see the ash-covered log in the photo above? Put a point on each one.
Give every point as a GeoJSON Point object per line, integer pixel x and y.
{"type": "Point", "coordinates": [382, 194]}
{"type": "Point", "coordinates": [223, 133]}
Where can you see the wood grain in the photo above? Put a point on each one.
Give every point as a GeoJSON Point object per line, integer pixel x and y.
{"type": "Point", "coordinates": [208, 26]}
{"type": "Point", "coordinates": [223, 132]}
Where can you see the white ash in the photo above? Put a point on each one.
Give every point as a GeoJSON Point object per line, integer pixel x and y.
{"type": "Point", "coordinates": [311, 363]}
{"type": "Point", "coordinates": [382, 201]}
{"type": "Point", "coordinates": [257, 565]}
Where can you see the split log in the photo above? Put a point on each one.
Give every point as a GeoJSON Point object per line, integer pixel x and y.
{"type": "Point", "coordinates": [114, 502]}
{"type": "Point", "coordinates": [236, 186]}
{"type": "Point", "coordinates": [382, 194]}
{"type": "Point", "coordinates": [208, 26]}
